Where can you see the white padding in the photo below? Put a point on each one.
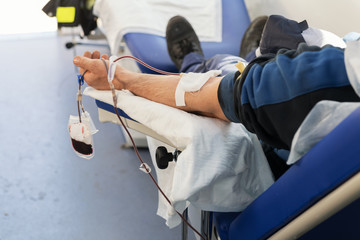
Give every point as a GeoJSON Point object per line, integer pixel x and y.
{"type": "Point", "coordinates": [192, 82]}
{"type": "Point", "coordinates": [112, 68]}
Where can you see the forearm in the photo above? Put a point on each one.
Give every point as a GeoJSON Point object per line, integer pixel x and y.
{"type": "Point", "coordinates": [157, 88]}
{"type": "Point", "coordinates": [161, 89]}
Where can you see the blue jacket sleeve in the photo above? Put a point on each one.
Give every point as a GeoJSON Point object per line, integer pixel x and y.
{"type": "Point", "coordinates": [276, 91]}
{"type": "Point", "coordinates": [226, 96]}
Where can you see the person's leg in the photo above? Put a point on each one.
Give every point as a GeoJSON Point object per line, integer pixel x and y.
{"type": "Point", "coordinates": [185, 50]}
{"type": "Point", "coordinates": [194, 62]}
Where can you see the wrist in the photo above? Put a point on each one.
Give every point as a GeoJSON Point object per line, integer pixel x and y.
{"type": "Point", "coordinates": [123, 78]}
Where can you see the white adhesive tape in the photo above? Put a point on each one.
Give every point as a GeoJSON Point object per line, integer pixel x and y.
{"type": "Point", "coordinates": [192, 82]}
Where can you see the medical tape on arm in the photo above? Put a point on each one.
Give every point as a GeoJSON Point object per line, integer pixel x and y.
{"type": "Point", "coordinates": [192, 82]}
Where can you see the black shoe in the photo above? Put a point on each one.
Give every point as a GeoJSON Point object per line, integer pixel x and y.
{"type": "Point", "coordinates": [252, 36]}
{"type": "Point", "coordinates": [181, 39]}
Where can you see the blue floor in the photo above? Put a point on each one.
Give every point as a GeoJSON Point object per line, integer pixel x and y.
{"type": "Point", "coordinates": [46, 191]}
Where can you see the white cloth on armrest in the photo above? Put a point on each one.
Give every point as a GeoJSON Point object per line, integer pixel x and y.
{"type": "Point", "coordinates": [222, 166]}
{"type": "Point", "coordinates": [119, 17]}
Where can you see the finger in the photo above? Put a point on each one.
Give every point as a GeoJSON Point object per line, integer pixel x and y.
{"type": "Point", "coordinates": [105, 56]}
{"type": "Point", "coordinates": [87, 54]}
{"type": "Point", "coordinates": [77, 60]}
{"type": "Point", "coordinates": [96, 55]}
{"type": "Point", "coordinates": [85, 63]}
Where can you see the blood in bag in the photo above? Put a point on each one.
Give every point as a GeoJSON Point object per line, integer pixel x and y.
{"type": "Point", "coordinates": [81, 139]}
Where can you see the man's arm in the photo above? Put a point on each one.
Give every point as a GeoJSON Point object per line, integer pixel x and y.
{"type": "Point", "coordinates": [157, 88]}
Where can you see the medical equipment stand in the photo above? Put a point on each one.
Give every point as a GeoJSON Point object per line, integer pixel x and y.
{"type": "Point", "coordinates": [184, 231]}
{"type": "Point", "coordinates": [205, 224]}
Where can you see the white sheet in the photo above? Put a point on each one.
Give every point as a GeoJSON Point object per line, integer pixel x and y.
{"type": "Point", "coordinates": [119, 17]}
{"type": "Point", "coordinates": [222, 166]}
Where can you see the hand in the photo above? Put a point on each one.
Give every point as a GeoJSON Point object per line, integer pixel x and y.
{"type": "Point", "coordinates": [96, 75]}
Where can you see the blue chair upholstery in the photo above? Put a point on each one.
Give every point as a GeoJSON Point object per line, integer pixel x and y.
{"type": "Point", "coordinates": [235, 20]}
{"type": "Point", "coordinates": [330, 163]}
